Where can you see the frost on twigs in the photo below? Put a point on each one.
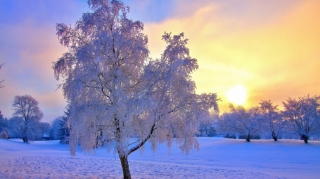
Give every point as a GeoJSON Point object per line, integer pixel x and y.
{"type": "Point", "coordinates": [116, 92]}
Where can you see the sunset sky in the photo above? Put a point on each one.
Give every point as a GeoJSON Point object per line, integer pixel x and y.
{"type": "Point", "coordinates": [271, 48]}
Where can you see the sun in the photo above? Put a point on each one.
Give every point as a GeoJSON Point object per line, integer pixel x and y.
{"type": "Point", "coordinates": [237, 94]}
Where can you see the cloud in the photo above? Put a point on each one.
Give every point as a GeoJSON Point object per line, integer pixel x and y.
{"type": "Point", "coordinates": [28, 47]}
{"type": "Point", "coordinates": [274, 58]}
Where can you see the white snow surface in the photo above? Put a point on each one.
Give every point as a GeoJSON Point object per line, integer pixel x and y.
{"type": "Point", "coordinates": [217, 158]}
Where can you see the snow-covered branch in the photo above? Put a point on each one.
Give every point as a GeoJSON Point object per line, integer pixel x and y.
{"type": "Point", "coordinates": [116, 92]}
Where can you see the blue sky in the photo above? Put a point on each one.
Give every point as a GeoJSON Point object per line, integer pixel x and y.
{"type": "Point", "coordinates": [269, 47]}
{"type": "Point", "coordinates": [29, 45]}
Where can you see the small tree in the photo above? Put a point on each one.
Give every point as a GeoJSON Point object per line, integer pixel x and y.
{"type": "Point", "coordinates": [55, 129]}
{"type": "Point", "coordinates": [116, 92]}
{"type": "Point", "coordinates": [15, 127]}
{"type": "Point", "coordinates": [272, 118]}
{"type": "Point", "coordinates": [241, 121]}
{"type": "Point", "coordinates": [27, 108]}
{"type": "Point", "coordinates": [318, 118]}
{"type": "Point", "coordinates": [3, 122]}
{"type": "Point", "coordinates": [44, 129]}
{"type": "Point", "coordinates": [3, 127]}
{"type": "Point", "coordinates": [207, 128]}
{"type": "Point", "coordinates": [302, 115]}
{"type": "Point", "coordinates": [64, 128]}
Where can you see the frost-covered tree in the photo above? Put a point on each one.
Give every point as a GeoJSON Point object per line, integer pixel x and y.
{"type": "Point", "coordinates": [3, 122]}
{"type": "Point", "coordinates": [272, 119]}
{"type": "Point", "coordinates": [64, 128]}
{"type": "Point", "coordinates": [44, 128]}
{"type": "Point", "coordinates": [3, 126]}
{"type": "Point", "coordinates": [15, 127]}
{"type": "Point", "coordinates": [27, 108]}
{"type": "Point", "coordinates": [302, 115]}
{"type": "Point", "coordinates": [241, 122]}
{"type": "Point", "coordinates": [55, 129]}
{"type": "Point", "coordinates": [116, 92]}
{"type": "Point", "coordinates": [207, 127]}
{"type": "Point", "coordinates": [318, 118]}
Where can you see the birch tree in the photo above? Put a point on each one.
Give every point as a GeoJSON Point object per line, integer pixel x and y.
{"type": "Point", "coordinates": [116, 92]}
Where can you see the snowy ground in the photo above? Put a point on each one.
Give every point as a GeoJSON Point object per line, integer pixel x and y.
{"type": "Point", "coordinates": [217, 158]}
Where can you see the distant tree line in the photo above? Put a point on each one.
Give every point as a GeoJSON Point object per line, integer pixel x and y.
{"type": "Point", "coordinates": [26, 123]}
{"type": "Point", "coordinates": [299, 118]}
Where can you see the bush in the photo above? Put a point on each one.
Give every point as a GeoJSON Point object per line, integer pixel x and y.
{"type": "Point", "coordinates": [252, 137]}
{"type": "Point", "coordinates": [4, 135]}
{"type": "Point", "coordinates": [230, 136]}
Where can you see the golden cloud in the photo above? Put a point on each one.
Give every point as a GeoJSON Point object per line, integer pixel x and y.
{"type": "Point", "coordinates": [276, 59]}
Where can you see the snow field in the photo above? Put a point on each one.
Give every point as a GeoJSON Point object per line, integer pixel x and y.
{"type": "Point", "coordinates": [217, 158]}
{"type": "Point", "coordinates": [69, 167]}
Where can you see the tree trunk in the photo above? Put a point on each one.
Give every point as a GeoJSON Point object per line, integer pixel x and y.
{"type": "Point", "coordinates": [125, 167]}
{"type": "Point", "coordinates": [305, 138]}
{"type": "Point", "coordinates": [24, 135]}
{"type": "Point", "coordinates": [275, 138]}
{"type": "Point", "coordinates": [25, 139]}
{"type": "Point", "coordinates": [248, 138]}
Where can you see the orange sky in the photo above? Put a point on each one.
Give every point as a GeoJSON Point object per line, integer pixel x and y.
{"type": "Point", "coordinates": [275, 58]}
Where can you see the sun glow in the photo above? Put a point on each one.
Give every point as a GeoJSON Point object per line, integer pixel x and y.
{"type": "Point", "coordinates": [237, 94]}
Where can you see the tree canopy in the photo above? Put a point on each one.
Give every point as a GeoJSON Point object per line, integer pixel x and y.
{"type": "Point", "coordinates": [27, 108]}
{"type": "Point", "coordinates": [116, 92]}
